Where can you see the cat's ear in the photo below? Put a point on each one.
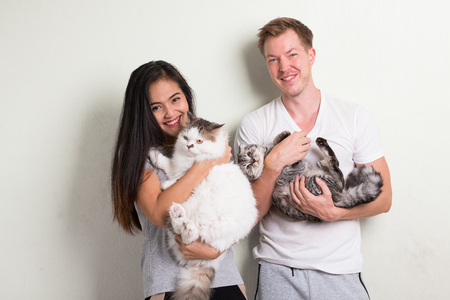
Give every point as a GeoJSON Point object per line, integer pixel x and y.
{"type": "Point", "coordinates": [217, 126]}
{"type": "Point", "coordinates": [189, 118]}
{"type": "Point", "coordinates": [241, 148]}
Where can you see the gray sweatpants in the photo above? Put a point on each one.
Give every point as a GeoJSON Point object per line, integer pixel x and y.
{"type": "Point", "coordinates": [281, 282]}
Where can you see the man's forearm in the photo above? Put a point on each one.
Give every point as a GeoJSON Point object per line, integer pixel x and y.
{"type": "Point", "coordinates": [384, 201]}
{"type": "Point", "coordinates": [262, 189]}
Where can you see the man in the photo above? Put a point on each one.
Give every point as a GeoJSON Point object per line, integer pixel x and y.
{"type": "Point", "coordinates": [301, 259]}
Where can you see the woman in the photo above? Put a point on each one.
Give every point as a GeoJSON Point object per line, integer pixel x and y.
{"type": "Point", "coordinates": [157, 100]}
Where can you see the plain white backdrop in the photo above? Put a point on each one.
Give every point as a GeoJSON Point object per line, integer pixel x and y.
{"type": "Point", "coordinates": [64, 66]}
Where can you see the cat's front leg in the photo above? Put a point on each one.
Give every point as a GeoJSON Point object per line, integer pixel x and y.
{"type": "Point", "coordinates": [189, 232]}
{"type": "Point", "coordinates": [182, 225]}
{"type": "Point", "coordinates": [158, 160]}
{"type": "Point", "coordinates": [177, 215]}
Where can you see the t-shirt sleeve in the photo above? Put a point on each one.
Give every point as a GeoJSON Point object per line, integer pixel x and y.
{"type": "Point", "coordinates": [148, 165]}
{"type": "Point", "coordinates": [368, 146]}
{"type": "Point", "coordinates": [246, 134]}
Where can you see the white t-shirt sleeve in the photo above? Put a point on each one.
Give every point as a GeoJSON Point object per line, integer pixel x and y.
{"type": "Point", "coordinates": [367, 147]}
{"type": "Point", "coordinates": [246, 134]}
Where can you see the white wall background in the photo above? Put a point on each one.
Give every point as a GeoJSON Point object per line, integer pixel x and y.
{"type": "Point", "coordinates": [64, 66]}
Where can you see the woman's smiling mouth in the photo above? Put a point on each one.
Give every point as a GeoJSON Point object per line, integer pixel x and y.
{"type": "Point", "coordinates": [173, 123]}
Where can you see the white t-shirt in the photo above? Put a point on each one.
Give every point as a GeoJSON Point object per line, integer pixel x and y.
{"type": "Point", "coordinates": [332, 247]}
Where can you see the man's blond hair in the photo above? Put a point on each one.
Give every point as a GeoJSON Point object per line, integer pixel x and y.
{"type": "Point", "coordinates": [279, 26]}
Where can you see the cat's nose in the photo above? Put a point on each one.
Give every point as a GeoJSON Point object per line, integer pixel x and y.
{"type": "Point", "coordinates": [190, 146]}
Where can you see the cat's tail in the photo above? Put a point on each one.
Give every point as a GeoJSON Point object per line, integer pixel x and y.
{"type": "Point", "coordinates": [363, 185]}
{"type": "Point", "coordinates": [194, 283]}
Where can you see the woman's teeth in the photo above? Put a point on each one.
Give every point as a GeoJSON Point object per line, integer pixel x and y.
{"type": "Point", "coordinates": [173, 122]}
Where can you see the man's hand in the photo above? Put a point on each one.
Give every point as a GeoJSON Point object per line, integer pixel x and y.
{"type": "Point", "coordinates": [197, 250]}
{"type": "Point", "coordinates": [290, 150]}
{"type": "Point", "coordinates": [321, 206]}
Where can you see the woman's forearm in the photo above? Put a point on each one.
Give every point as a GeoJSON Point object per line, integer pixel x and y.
{"type": "Point", "coordinates": [155, 203]}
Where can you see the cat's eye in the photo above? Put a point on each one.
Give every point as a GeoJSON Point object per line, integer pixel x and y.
{"type": "Point", "coordinates": [249, 154]}
{"type": "Point", "coordinates": [185, 137]}
{"type": "Point", "coordinates": [248, 167]}
{"type": "Point", "coordinates": [199, 141]}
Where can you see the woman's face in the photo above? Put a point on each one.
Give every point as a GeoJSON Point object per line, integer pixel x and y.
{"type": "Point", "coordinates": [169, 105]}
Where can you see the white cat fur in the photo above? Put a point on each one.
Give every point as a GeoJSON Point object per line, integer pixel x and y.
{"type": "Point", "coordinates": [221, 210]}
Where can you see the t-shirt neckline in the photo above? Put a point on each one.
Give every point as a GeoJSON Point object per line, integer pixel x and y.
{"type": "Point", "coordinates": [291, 121]}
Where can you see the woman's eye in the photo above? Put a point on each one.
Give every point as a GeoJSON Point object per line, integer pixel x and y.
{"type": "Point", "coordinates": [175, 99]}
{"type": "Point", "coordinates": [199, 141]}
{"type": "Point", "coordinates": [155, 108]}
{"type": "Point", "coordinates": [249, 154]}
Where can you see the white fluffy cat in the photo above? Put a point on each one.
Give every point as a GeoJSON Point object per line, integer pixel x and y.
{"type": "Point", "coordinates": [220, 211]}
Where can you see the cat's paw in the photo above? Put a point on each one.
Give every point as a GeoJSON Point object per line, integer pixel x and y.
{"type": "Point", "coordinates": [153, 154]}
{"type": "Point", "coordinates": [177, 217]}
{"type": "Point", "coordinates": [177, 211]}
{"type": "Point", "coordinates": [189, 232]}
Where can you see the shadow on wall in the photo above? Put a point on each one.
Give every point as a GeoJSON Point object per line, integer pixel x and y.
{"type": "Point", "coordinates": [258, 75]}
{"type": "Point", "coordinates": [266, 91]}
{"type": "Point", "coordinates": [259, 79]}
{"type": "Point", "coordinates": [109, 259]}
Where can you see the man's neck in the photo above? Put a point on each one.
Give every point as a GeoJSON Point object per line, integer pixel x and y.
{"type": "Point", "coordinates": [304, 108]}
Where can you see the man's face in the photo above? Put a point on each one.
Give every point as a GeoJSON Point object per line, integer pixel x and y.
{"type": "Point", "coordinates": [289, 64]}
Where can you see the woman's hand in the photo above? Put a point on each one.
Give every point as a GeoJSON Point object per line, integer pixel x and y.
{"type": "Point", "coordinates": [197, 250]}
{"type": "Point", "coordinates": [226, 157]}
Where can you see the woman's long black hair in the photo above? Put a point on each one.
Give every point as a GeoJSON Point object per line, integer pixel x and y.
{"type": "Point", "coordinates": [138, 131]}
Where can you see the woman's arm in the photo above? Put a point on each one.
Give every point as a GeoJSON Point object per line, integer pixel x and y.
{"type": "Point", "coordinates": [154, 203]}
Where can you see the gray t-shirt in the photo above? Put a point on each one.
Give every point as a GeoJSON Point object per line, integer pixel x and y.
{"type": "Point", "coordinates": [160, 270]}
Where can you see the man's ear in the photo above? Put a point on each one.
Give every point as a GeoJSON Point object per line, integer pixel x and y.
{"type": "Point", "coordinates": [312, 56]}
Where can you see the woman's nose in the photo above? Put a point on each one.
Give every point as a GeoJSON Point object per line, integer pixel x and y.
{"type": "Point", "coordinates": [169, 111]}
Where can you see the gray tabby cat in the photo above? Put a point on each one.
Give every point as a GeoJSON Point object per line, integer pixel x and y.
{"type": "Point", "coordinates": [363, 184]}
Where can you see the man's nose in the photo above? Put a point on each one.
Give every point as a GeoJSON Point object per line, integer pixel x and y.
{"type": "Point", "coordinates": [283, 64]}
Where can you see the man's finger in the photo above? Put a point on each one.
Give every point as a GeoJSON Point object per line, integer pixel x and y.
{"type": "Point", "coordinates": [323, 186]}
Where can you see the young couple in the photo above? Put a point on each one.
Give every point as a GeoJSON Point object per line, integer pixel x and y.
{"type": "Point", "coordinates": [298, 259]}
